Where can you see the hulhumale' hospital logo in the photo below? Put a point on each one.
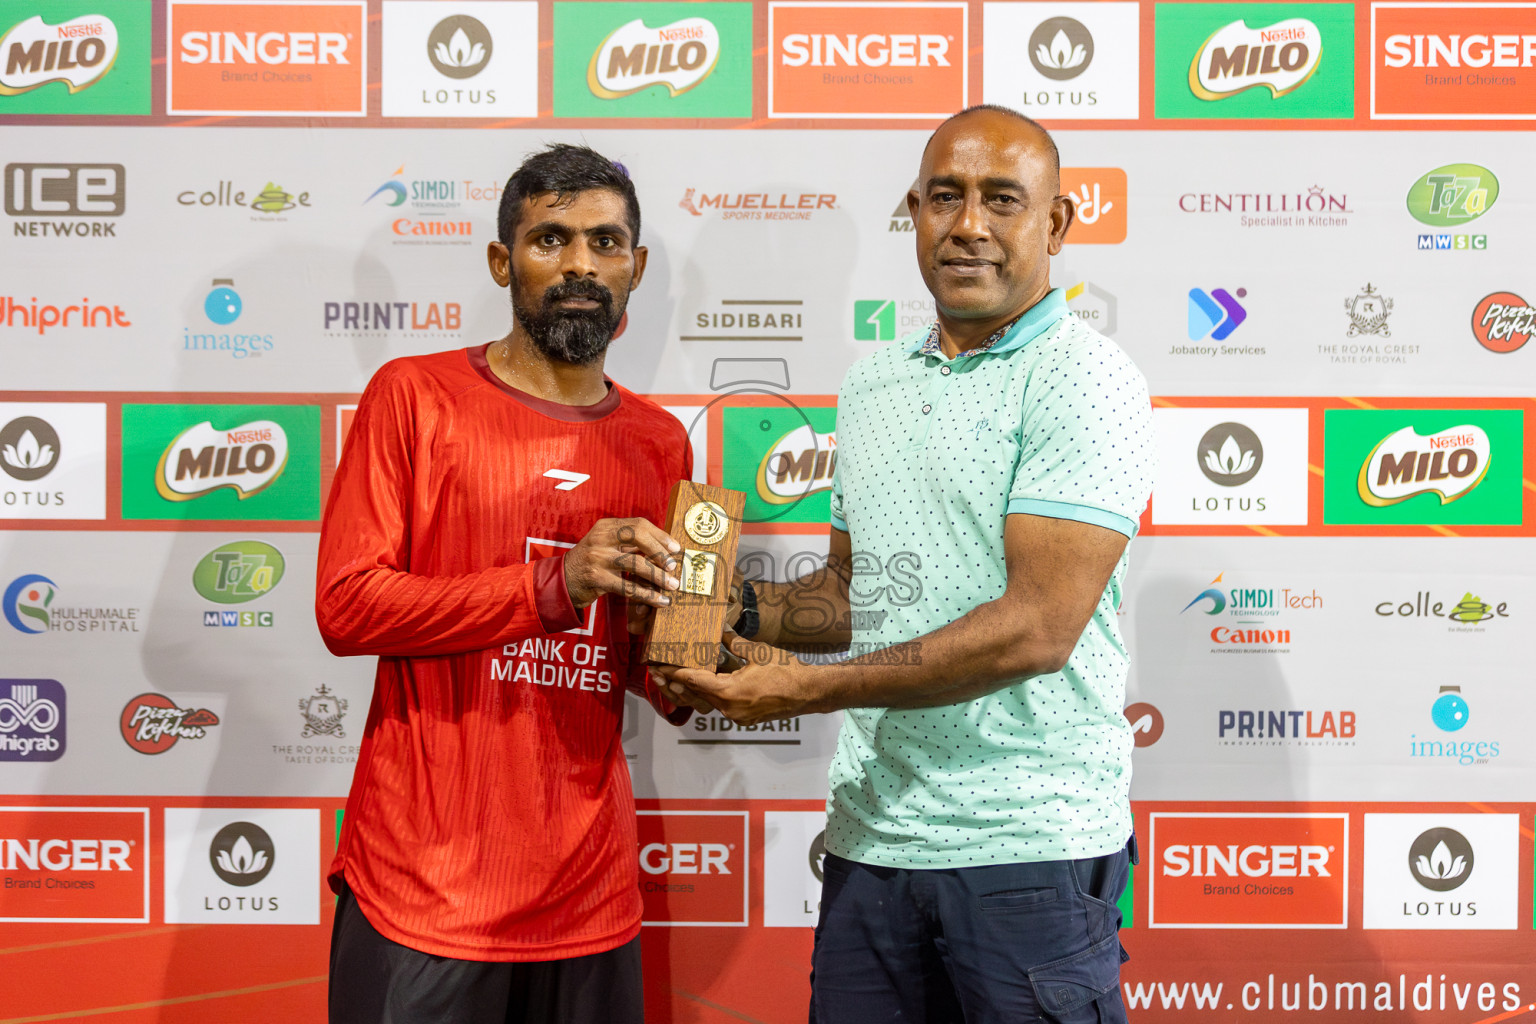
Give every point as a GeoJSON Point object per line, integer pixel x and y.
{"type": "Point", "coordinates": [27, 603]}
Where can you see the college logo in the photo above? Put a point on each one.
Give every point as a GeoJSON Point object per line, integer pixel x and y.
{"type": "Point", "coordinates": [783, 458]}
{"type": "Point", "coordinates": [221, 461]}
{"type": "Point", "coordinates": [1441, 871]}
{"type": "Point", "coordinates": [1406, 466]}
{"type": "Point", "coordinates": [1231, 466]}
{"type": "Point", "coordinates": [1452, 62]}
{"type": "Point", "coordinates": [693, 867]}
{"type": "Point", "coordinates": [1146, 723]}
{"type": "Point", "coordinates": [1249, 870]}
{"type": "Point", "coordinates": [53, 460]}
{"type": "Point", "coordinates": [238, 572]}
{"type": "Point", "coordinates": [1236, 60]}
{"type": "Point", "coordinates": [836, 60]}
{"type": "Point", "coordinates": [31, 719]}
{"type": "Point", "coordinates": [1453, 195]}
{"type": "Point", "coordinates": [1099, 196]}
{"type": "Point", "coordinates": [460, 59]}
{"type": "Point", "coordinates": [88, 64]}
{"type": "Point", "coordinates": [1368, 312]}
{"type": "Point", "coordinates": [653, 60]}
{"type": "Point", "coordinates": [1466, 615]}
{"type": "Point", "coordinates": [750, 320]}
{"type": "Point", "coordinates": [75, 864]}
{"type": "Point", "coordinates": [301, 58]}
{"type": "Point", "coordinates": [1229, 454]}
{"type": "Point", "coordinates": [1503, 322]}
{"type": "Point", "coordinates": [151, 723]}
{"type": "Point", "coordinates": [1083, 58]}
{"type": "Point", "coordinates": [242, 865]}
{"type": "Point", "coordinates": [271, 200]}
{"type": "Point", "coordinates": [58, 193]}
{"type": "Point", "coordinates": [1450, 713]}
{"type": "Point", "coordinates": [29, 448]}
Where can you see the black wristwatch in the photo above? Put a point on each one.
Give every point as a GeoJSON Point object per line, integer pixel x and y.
{"type": "Point", "coordinates": [746, 626]}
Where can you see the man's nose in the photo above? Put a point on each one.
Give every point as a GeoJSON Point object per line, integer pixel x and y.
{"type": "Point", "coordinates": [971, 224]}
{"type": "Point", "coordinates": [577, 262]}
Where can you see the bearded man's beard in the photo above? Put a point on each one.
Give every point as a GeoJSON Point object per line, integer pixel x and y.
{"type": "Point", "coordinates": [578, 336]}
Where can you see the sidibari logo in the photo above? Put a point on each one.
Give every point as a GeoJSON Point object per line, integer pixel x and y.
{"type": "Point", "coordinates": [151, 723]}
{"type": "Point", "coordinates": [1280, 57]}
{"type": "Point", "coordinates": [1453, 195]}
{"type": "Point", "coordinates": [1503, 322]}
{"type": "Point", "coordinates": [246, 458]}
{"type": "Point", "coordinates": [797, 464]}
{"type": "Point", "coordinates": [242, 853]}
{"type": "Point", "coordinates": [1449, 463]}
{"type": "Point", "coordinates": [77, 52]}
{"type": "Point", "coordinates": [29, 448]}
{"type": "Point", "coordinates": [633, 57]}
{"type": "Point", "coordinates": [238, 572]}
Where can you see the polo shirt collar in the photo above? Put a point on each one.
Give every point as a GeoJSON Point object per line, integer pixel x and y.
{"type": "Point", "coordinates": [1038, 319]}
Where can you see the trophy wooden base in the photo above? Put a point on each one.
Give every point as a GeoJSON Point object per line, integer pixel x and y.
{"type": "Point", "coordinates": [706, 521]}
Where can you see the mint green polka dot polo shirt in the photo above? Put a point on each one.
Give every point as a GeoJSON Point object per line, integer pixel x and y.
{"type": "Point", "coordinates": [933, 454]}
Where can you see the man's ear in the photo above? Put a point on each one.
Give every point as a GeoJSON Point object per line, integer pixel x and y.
{"type": "Point", "coordinates": [912, 203]}
{"type": "Point", "coordinates": [500, 262]}
{"type": "Point", "coordinates": [1063, 213]}
{"type": "Point", "coordinates": [640, 256]}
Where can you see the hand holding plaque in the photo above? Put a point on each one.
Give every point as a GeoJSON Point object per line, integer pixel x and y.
{"type": "Point", "coordinates": [706, 521]}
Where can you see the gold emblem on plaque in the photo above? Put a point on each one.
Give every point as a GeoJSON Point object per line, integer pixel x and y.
{"type": "Point", "coordinates": [706, 523]}
{"type": "Point", "coordinates": [699, 572]}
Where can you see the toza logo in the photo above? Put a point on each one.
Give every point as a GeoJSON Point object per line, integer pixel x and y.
{"type": "Point", "coordinates": [1453, 195]}
{"type": "Point", "coordinates": [1230, 454]}
{"type": "Point", "coordinates": [238, 572]}
{"type": "Point", "coordinates": [1448, 463]}
{"type": "Point", "coordinates": [200, 460]}
{"type": "Point", "coordinates": [29, 448]}
{"type": "Point", "coordinates": [633, 57]}
{"type": "Point", "coordinates": [242, 853]}
{"type": "Point", "coordinates": [1279, 58]}
{"type": "Point", "coordinates": [77, 52]}
{"type": "Point", "coordinates": [459, 46]}
{"type": "Point", "coordinates": [1441, 859]}
{"type": "Point", "coordinates": [1061, 48]}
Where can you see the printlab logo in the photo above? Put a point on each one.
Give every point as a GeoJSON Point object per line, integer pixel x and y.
{"type": "Point", "coordinates": [66, 68]}
{"type": "Point", "coordinates": [1215, 314]}
{"type": "Point", "coordinates": [1503, 322]}
{"type": "Point", "coordinates": [323, 712]}
{"type": "Point", "coordinates": [459, 46]}
{"type": "Point", "coordinates": [29, 448]}
{"type": "Point", "coordinates": [1146, 723]}
{"type": "Point", "coordinates": [1094, 306]}
{"type": "Point", "coordinates": [57, 194]}
{"type": "Point", "coordinates": [1230, 454]}
{"type": "Point", "coordinates": [1368, 312]}
{"type": "Point", "coordinates": [1441, 859]}
{"type": "Point", "coordinates": [242, 853]}
{"type": "Point", "coordinates": [31, 720]}
{"type": "Point", "coordinates": [1061, 48]}
{"type": "Point", "coordinates": [27, 602]}
{"type": "Point", "coordinates": [151, 723]}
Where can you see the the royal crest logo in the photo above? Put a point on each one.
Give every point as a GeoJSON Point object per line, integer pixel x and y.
{"type": "Point", "coordinates": [1279, 57]}
{"type": "Point", "coordinates": [201, 459]}
{"type": "Point", "coordinates": [77, 52]}
{"type": "Point", "coordinates": [633, 57]}
{"type": "Point", "coordinates": [151, 723]}
{"type": "Point", "coordinates": [1368, 312]}
{"type": "Point", "coordinates": [1449, 463]}
{"type": "Point", "coordinates": [323, 712]}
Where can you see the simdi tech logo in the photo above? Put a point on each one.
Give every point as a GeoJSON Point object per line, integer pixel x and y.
{"type": "Point", "coordinates": [221, 462]}
{"type": "Point", "coordinates": [294, 59]}
{"type": "Point", "coordinates": [1260, 60]}
{"type": "Point", "coordinates": [1453, 62]}
{"type": "Point", "coordinates": [460, 59]}
{"type": "Point", "coordinates": [75, 864]}
{"type": "Point", "coordinates": [653, 60]}
{"type": "Point", "coordinates": [74, 58]}
{"type": "Point", "coordinates": [1423, 466]}
{"type": "Point", "coordinates": [832, 60]}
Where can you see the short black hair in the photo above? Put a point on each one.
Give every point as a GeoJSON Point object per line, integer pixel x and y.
{"type": "Point", "coordinates": [565, 170]}
{"type": "Point", "coordinates": [1010, 112]}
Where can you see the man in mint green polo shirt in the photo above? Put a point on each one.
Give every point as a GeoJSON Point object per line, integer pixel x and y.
{"type": "Point", "coordinates": [991, 471]}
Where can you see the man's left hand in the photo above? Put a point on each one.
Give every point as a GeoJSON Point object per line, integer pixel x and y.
{"type": "Point", "coordinates": [771, 685]}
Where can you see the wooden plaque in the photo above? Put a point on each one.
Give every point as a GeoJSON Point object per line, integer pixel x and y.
{"type": "Point", "coordinates": [706, 522]}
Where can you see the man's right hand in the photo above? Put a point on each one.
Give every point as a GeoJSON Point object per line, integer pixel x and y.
{"type": "Point", "coordinates": [598, 564]}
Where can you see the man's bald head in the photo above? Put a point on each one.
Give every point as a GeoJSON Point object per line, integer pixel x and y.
{"type": "Point", "coordinates": [1023, 124]}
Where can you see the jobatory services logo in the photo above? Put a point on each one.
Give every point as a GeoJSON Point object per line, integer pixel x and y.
{"type": "Point", "coordinates": [74, 864]}
{"type": "Point", "coordinates": [31, 605]}
{"type": "Point", "coordinates": [152, 723]}
{"type": "Point", "coordinates": [302, 58]}
{"type": "Point", "coordinates": [834, 60]}
{"type": "Point", "coordinates": [653, 60]}
{"type": "Point", "coordinates": [32, 720]}
{"type": "Point", "coordinates": [1146, 723]}
{"type": "Point", "coordinates": [1503, 322]}
{"type": "Point", "coordinates": [53, 460]}
{"type": "Point", "coordinates": [1448, 746]}
{"type": "Point", "coordinates": [251, 865]}
{"type": "Point", "coordinates": [269, 203]}
{"type": "Point", "coordinates": [783, 457]}
{"type": "Point", "coordinates": [1453, 62]}
{"type": "Point", "coordinates": [776, 205]}
{"type": "Point", "coordinates": [1251, 619]}
{"type": "Point", "coordinates": [1423, 466]}
{"type": "Point", "coordinates": [221, 461]}
{"type": "Point", "coordinates": [1452, 196]}
{"type": "Point", "coordinates": [75, 58]}
{"type": "Point", "coordinates": [461, 59]}
{"type": "Point", "coordinates": [1101, 196]}
{"type": "Point", "coordinates": [747, 320]}
{"type": "Point", "coordinates": [222, 306]}
{"type": "Point", "coordinates": [1082, 59]}
{"type": "Point", "coordinates": [1220, 870]}
{"type": "Point", "coordinates": [693, 867]}
{"type": "Point", "coordinates": [65, 200]}
{"type": "Point", "coordinates": [1213, 315]}
{"type": "Point", "coordinates": [1441, 871]}
{"type": "Point", "coordinates": [1231, 467]}
{"type": "Point", "coordinates": [1255, 60]}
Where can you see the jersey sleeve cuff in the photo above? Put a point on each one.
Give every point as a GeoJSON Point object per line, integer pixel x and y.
{"type": "Point", "coordinates": [551, 598]}
{"type": "Point", "coordinates": [839, 523]}
{"type": "Point", "coordinates": [1079, 513]}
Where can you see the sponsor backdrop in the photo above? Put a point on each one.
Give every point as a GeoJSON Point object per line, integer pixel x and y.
{"type": "Point", "coordinates": [1309, 223]}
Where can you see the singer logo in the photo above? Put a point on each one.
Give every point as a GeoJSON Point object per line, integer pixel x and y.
{"type": "Point", "coordinates": [693, 867]}
{"type": "Point", "coordinates": [1453, 61]}
{"type": "Point", "coordinates": [76, 864]}
{"type": "Point", "coordinates": [1249, 870]}
{"type": "Point", "coordinates": [304, 58]}
{"type": "Point", "coordinates": [866, 61]}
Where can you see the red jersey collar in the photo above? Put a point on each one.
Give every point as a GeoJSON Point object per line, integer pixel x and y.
{"type": "Point", "coordinates": [555, 410]}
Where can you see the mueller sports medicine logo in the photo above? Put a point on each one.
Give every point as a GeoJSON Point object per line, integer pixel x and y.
{"type": "Point", "coordinates": [74, 864]}
{"type": "Point", "coordinates": [32, 720]}
{"type": "Point", "coordinates": [678, 56]}
{"type": "Point", "coordinates": [65, 200]}
{"type": "Point", "coordinates": [1279, 57]}
{"type": "Point", "coordinates": [757, 205]}
{"type": "Point", "coordinates": [1448, 463]}
{"type": "Point", "coordinates": [1503, 322]}
{"type": "Point", "coordinates": [693, 867]}
{"type": "Point", "coordinates": [1452, 61]}
{"type": "Point", "coordinates": [1213, 870]}
{"type": "Point", "coordinates": [76, 53]}
{"type": "Point", "coordinates": [151, 723]}
{"type": "Point", "coordinates": [307, 57]}
{"type": "Point", "coordinates": [246, 458]}
{"type": "Point", "coordinates": [866, 60]}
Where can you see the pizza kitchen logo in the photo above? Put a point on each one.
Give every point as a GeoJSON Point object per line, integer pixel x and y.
{"type": "Point", "coordinates": [1503, 322]}
{"type": "Point", "coordinates": [151, 723]}
{"type": "Point", "coordinates": [246, 458]}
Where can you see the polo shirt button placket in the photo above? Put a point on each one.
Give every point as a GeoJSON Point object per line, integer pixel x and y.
{"type": "Point", "coordinates": [944, 370]}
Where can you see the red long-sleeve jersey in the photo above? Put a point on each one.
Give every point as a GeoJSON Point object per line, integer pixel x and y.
{"type": "Point", "coordinates": [491, 815]}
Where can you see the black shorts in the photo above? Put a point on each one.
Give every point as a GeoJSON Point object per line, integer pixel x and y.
{"type": "Point", "coordinates": [375, 980]}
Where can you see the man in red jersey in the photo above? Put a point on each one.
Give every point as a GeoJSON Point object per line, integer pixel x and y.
{"type": "Point", "coordinates": [491, 514]}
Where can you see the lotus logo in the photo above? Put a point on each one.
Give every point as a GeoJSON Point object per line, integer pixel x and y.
{"type": "Point", "coordinates": [459, 47]}
{"type": "Point", "coordinates": [29, 448]}
{"type": "Point", "coordinates": [1230, 454]}
{"type": "Point", "coordinates": [1061, 48]}
{"type": "Point", "coordinates": [77, 52]}
{"type": "Point", "coordinates": [1448, 463]}
{"type": "Point", "coordinates": [241, 853]}
{"type": "Point", "coordinates": [799, 463]}
{"type": "Point", "coordinates": [1280, 57]}
{"type": "Point", "coordinates": [633, 57]}
{"type": "Point", "coordinates": [1441, 859]}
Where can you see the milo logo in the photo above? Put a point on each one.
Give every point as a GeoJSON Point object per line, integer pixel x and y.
{"type": "Point", "coordinates": [246, 458]}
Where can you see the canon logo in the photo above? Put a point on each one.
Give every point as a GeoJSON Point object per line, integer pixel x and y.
{"type": "Point", "coordinates": [685, 858]}
{"type": "Point", "coordinates": [65, 854]}
{"type": "Point", "coordinates": [264, 48]}
{"type": "Point", "coordinates": [821, 50]}
{"type": "Point", "coordinates": [1255, 861]}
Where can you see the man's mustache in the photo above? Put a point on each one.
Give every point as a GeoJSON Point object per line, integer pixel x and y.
{"type": "Point", "coordinates": [579, 289]}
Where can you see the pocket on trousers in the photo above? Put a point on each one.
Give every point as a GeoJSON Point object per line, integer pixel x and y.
{"type": "Point", "coordinates": [1015, 899]}
{"type": "Point", "coordinates": [1067, 988]}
